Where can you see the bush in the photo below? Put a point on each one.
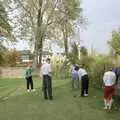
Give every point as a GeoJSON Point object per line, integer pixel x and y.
{"type": "Point", "coordinates": [97, 69]}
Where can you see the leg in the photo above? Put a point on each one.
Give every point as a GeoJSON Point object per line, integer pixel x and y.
{"type": "Point", "coordinates": [82, 88]}
{"type": "Point", "coordinates": [78, 84]}
{"type": "Point", "coordinates": [45, 87]}
{"type": "Point", "coordinates": [31, 82]}
{"type": "Point", "coordinates": [86, 86]}
{"type": "Point", "coordinates": [50, 88]}
{"type": "Point", "coordinates": [111, 96]}
{"type": "Point", "coordinates": [105, 103]}
{"type": "Point", "coordinates": [110, 103]}
{"type": "Point", "coordinates": [27, 80]}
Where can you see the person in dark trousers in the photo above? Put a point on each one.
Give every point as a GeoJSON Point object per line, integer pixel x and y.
{"type": "Point", "coordinates": [47, 81]}
{"type": "Point", "coordinates": [83, 76]}
{"type": "Point", "coordinates": [117, 73]}
{"type": "Point", "coordinates": [28, 77]}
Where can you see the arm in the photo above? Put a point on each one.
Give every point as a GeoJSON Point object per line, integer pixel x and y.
{"type": "Point", "coordinates": [49, 70]}
{"type": "Point", "coordinates": [114, 80]}
{"type": "Point", "coordinates": [104, 78]}
{"type": "Point", "coordinates": [79, 74]}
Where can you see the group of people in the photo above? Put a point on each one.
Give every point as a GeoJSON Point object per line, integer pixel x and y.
{"type": "Point", "coordinates": [78, 73]}
{"type": "Point", "coordinates": [45, 74]}
{"type": "Point", "coordinates": [110, 80]}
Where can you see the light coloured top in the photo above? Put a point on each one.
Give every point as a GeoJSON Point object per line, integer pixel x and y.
{"type": "Point", "coordinates": [81, 73]}
{"type": "Point", "coordinates": [46, 69]}
{"type": "Point", "coordinates": [109, 78]}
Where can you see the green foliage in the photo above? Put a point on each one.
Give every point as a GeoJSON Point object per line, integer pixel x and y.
{"type": "Point", "coordinates": [1, 58]}
{"type": "Point", "coordinates": [86, 61]}
{"type": "Point", "coordinates": [5, 27]}
{"type": "Point", "coordinates": [10, 58]}
{"type": "Point", "coordinates": [97, 68]}
{"type": "Point", "coordinates": [83, 51]}
{"type": "Point", "coordinates": [73, 56]}
{"type": "Point", "coordinates": [114, 43]}
{"type": "Point", "coordinates": [2, 51]}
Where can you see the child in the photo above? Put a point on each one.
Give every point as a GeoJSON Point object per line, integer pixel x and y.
{"type": "Point", "coordinates": [28, 77]}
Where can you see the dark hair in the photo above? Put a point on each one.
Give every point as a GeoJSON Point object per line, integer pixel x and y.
{"type": "Point", "coordinates": [76, 68]}
{"type": "Point", "coordinates": [48, 59]}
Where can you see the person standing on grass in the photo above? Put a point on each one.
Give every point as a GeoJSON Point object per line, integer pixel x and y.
{"type": "Point", "coordinates": [117, 73]}
{"type": "Point", "coordinates": [45, 72]}
{"type": "Point", "coordinates": [28, 77]}
{"type": "Point", "coordinates": [83, 76]}
{"type": "Point", "coordinates": [75, 77]}
{"type": "Point", "coordinates": [109, 80]}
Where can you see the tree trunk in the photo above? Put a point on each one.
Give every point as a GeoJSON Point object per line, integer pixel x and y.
{"type": "Point", "coordinates": [65, 37]}
{"type": "Point", "coordinates": [39, 36]}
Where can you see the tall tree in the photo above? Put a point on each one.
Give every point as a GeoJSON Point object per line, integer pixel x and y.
{"type": "Point", "coordinates": [46, 19]}
{"type": "Point", "coordinates": [38, 15]}
{"type": "Point", "coordinates": [5, 28]}
{"type": "Point", "coordinates": [70, 16]}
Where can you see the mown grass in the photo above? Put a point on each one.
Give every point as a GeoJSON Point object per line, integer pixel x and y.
{"type": "Point", "coordinates": [17, 104]}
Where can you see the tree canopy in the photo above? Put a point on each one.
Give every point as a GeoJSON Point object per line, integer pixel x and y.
{"type": "Point", "coordinates": [5, 28]}
{"type": "Point", "coordinates": [114, 43]}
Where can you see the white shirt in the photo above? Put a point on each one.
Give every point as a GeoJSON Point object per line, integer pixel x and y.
{"type": "Point", "coordinates": [46, 69]}
{"type": "Point", "coordinates": [109, 78]}
{"type": "Point", "coordinates": [82, 72]}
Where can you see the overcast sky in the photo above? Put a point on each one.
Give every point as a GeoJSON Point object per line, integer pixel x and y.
{"type": "Point", "coordinates": [103, 17]}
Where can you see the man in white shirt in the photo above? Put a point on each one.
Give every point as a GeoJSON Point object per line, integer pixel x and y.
{"type": "Point", "coordinates": [45, 72]}
{"type": "Point", "coordinates": [83, 76]}
{"type": "Point", "coordinates": [109, 80]}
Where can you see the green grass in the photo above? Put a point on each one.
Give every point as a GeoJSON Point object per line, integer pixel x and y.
{"type": "Point", "coordinates": [17, 104]}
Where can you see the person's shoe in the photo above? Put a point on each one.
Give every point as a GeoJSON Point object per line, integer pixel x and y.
{"type": "Point", "coordinates": [28, 90]}
{"type": "Point", "coordinates": [105, 108]}
{"type": "Point", "coordinates": [45, 98]}
{"type": "Point", "coordinates": [51, 98]}
{"type": "Point", "coordinates": [86, 95]}
{"type": "Point", "coordinates": [109, 107]}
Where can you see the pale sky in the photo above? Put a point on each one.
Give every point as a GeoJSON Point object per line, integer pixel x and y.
{"type": "Point", "coordinates": [103, 17]}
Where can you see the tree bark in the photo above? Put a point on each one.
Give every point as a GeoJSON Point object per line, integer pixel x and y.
{"type": "Point", "coordinates": [65, 36]}
{"type": "Point", "coordinates": [39, 36]}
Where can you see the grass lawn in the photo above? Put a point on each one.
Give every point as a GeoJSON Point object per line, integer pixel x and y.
{"type": "Point", "coordinates": [17, 104]}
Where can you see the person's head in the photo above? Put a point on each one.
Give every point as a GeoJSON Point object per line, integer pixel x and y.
{"type": "Point", "coordinates": [76, 68]}
{"type": "Point", "coordinates": [109, 69]}
{"type": "Point", "coordinates": [29, 66]}
{"type": "Point", "coordinates": [48, 60]}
